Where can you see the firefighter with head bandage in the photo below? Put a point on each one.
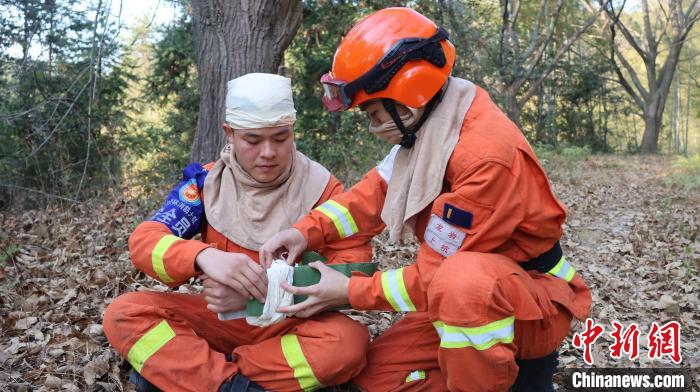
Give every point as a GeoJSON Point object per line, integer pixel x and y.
{"type": "Point", "coordinates": [491, 294]}
{"type": "Point", "coordinates": [259, 186]}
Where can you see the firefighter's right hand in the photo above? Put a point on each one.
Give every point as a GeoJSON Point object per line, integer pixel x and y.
{"type": "Point", "coordinates": [235, 270]}
{"type": "Point", "coordinates": [290, 240]}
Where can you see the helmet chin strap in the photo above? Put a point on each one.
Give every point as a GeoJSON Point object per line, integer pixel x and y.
{"type": "Point", "coordinates": [408, 138]}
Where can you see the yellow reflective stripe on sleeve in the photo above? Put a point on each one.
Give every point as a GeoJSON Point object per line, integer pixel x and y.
{"type": "Point", "coordinates": [346, 214]}
{"type": "Point", "coordinates": [395, 291]}
{"type": "Point", "coordinates": [480, 338]}
{"type": "Point", "coordinates": [149, 343]}
{"type": "Point", "coordinates": [340, 216]}
{"type": "Point", "coordinates": [415, 376]}
{"type": "Point", "coordinates": [157, 257]}
{"type": "Point", "coordinates": [296, 360]}
{"type": "Point", "coordinates": [563, 270]}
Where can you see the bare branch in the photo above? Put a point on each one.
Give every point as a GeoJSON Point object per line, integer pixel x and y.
{"type": "Point", "coordinates": [693, 16]}
{"type": "Point", "coordinates": [37, 191]}
{"type": "Point", "coordinates": [620, 75]}
{"type": "Point", "coordinates": [94, 58]}
{"type": "Point", "coordinates": [536, 32]}
{"type": "Point", "coordinates": [515, 12]}
{"type": "Point", "coordinates": [663, 29]}
{"type": "Point", "coordinates": [693, 11]}
{"type": "Point", "coordinates": [615, 17]}
{"type": "Point", "coordinates": [535, 60]}
{"type": "Point", "coordinates": [651, 44]}
{"type": "Point", "coordinates": [663, 10]}
{"type": "Point", "coordinates": [559, 54]}
{"type": "Point", "coordinates": [59, 121]}
{"type": "Point", "coordinates": [504, 26]}
{"type": "Point", "coordinates": [625, 84]}
{"type": "Point", "coordinates": [630, 69]}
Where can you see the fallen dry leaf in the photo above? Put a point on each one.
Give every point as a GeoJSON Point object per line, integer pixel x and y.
{"type": "Point", "coordinates": [635, 242]}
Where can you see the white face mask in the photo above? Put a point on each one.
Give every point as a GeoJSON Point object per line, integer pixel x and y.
{"type": "Point", "coordinates": [391, 133]}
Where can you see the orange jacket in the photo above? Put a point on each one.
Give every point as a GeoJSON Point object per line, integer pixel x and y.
{"type": "Point", "coordinates": [493, 184]}
{"type": "Point", "coordinates": [162, 247]}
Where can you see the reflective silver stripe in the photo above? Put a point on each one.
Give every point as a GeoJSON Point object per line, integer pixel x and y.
{"type": "Point", "coordinates": [395, 291]}
{"type": "Point", "coordinates": [563, 270]}
{"type": "Point", "coordinates": [415, 376]}
{"type": "Point", "coordinates": [480, 338]}
{"type": "Point", "coordinates": [340, 216]}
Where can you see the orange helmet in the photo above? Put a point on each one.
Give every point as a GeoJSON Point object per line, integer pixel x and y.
{"type": "Point", "coordinates": [394, 53]}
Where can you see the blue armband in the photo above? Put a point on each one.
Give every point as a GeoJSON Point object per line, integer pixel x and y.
{"type": "Point", "coordinates": [183, 211]}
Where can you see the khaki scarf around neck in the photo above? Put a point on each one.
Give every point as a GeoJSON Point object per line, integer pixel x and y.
{"type": "Point", "coordinates": [249, 212]}
{"type": "Point", "coordinates": [419, 171]}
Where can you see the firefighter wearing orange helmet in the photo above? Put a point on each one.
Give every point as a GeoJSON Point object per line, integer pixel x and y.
{"type": "Point", "coordinates": [490, 295]}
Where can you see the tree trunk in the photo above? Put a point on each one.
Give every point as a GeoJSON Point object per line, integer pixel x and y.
{"type": "Point", "coordinates": [652, 128]}
{"type": "Point", "coordinates": [676, 114]}
{"type": "Point", "coordinates": [513, 110]}
{"type": "Point", "coordinates": [232, 39]}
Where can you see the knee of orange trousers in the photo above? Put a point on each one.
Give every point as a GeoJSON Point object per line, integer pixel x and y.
{"type": "Point", "coordinates": [539, 338]}
{"type": "Point", "coordinates": [469, 369]}
{"type": "Point", "coordinates": [341, 352]}
{"type": "Point", "coordinates": [469, 289]}
{"type": "Point", "coordinates": [409, 345]}
{"type": "Point", "coordinates": [115, 330]}
{"type": "Point", "coordinates": [473, 290]}
{"type": "Point", "coordinates": [130, 315]}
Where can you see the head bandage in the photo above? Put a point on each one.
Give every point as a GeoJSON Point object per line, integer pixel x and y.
{"type": "Point", "coordinates": [259, 100]}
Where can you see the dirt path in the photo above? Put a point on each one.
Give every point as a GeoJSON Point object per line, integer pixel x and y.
{"type": "Point", "coordinates": [634, 238]}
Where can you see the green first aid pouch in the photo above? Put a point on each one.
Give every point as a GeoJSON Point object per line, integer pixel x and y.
{"type": "Point", "coordinates": [307, 276]}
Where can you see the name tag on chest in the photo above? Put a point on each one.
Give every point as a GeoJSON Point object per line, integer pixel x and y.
{"type": "Point", "coordinates": [442, 237]}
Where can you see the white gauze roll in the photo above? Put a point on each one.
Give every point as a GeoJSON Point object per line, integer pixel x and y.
{"type": "Point", "coordinates": [278, 272]}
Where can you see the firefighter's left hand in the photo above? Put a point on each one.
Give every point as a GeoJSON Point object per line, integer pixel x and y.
{"type": "Point", "coordinates": [221, 298]}
{"type": "Point", "coordinates": [330, 292]}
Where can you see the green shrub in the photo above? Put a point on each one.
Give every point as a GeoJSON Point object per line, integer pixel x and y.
{"type": "Point", "coordinates": [576, 153]}
{"type": "Point", "coordinates": [686, 173]}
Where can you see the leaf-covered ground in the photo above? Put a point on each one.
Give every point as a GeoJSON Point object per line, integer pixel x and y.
{"type": "Point", "coordinates": [630, 232]}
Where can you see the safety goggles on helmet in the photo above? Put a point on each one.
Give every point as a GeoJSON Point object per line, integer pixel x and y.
{"type": "Point", "coordinates": [338, 94]}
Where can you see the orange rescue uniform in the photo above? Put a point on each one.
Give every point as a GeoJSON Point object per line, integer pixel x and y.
{"type": "Point", "coordinates": [474, 309]}
{"type": "Point", "coordinates": [179, 345]}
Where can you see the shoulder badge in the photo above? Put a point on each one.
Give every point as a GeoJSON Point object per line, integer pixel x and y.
{"type": "Point", "coordinates": [455, 216]}
{"type": "Point", "coordinates": [189, 193]}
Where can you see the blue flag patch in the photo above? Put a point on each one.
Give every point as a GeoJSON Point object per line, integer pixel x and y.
{"type": "Point", "coordinates": [183, 211]}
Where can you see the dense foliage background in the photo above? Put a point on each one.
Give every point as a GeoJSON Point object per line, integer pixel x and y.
{"type": "Point", "coordinates": [89, 106]}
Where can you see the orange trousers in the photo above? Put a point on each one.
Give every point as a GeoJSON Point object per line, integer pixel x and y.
{"type": "Point", "coordinates": [468, 291]}
{"type": "Point", "coordinates": [179, 345]}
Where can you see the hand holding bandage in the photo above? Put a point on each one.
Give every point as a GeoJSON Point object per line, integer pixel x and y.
{"type": "Point", "coordinates": [235, 270]}
{"type": "Point", "coordinates": [290, 240]}
{"type": "Point", "coordinates": [221, 298]}
{"type": "Point", "coordinates": [329, 293]}
{"type": "Point", "coordinates": [317, 287]}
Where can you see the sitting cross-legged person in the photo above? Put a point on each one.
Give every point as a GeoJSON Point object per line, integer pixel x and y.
{"type": "Point", "coordinates": [259, 186]}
